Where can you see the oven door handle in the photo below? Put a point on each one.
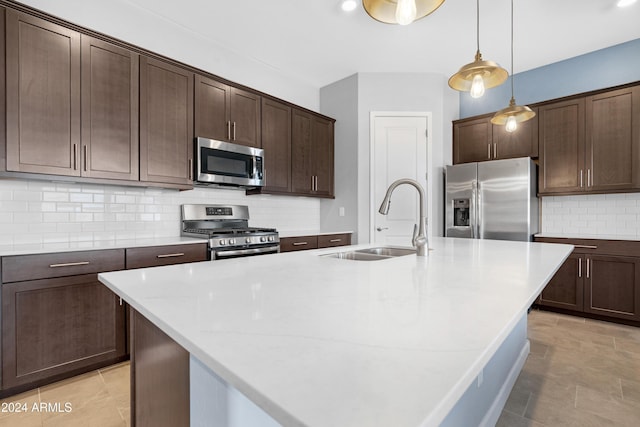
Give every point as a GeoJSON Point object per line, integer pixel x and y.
{"type": "Point", "coordinates": [252, 251]}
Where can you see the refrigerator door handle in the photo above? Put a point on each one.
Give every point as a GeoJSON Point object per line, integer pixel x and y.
{"type": "Point", "coordinates": [478, 199]}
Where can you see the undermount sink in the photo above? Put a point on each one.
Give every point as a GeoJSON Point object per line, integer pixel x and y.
{"type": "Point", "coordinates": [372, 254]}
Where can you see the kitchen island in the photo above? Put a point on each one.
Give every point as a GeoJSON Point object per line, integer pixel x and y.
{"type": "Point", "coordinates": [306, 339]}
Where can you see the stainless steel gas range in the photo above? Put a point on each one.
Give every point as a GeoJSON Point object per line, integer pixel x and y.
{"type": "Point", "coordinates": [227, 229]}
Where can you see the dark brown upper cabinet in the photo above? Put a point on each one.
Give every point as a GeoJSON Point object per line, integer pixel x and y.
{"type": "Point", "coordinates": [109, 111]}
{"type": "Point", "coordinates": [561, 144]}
{"type": "Point", "coordinates": [613, 140]}
{"type": "Point", "coordinates": [478, 140]}
{"type": "Point", "coordinates": [43, 96]}
{"type": "Point", "coordinates": [312, 145]}
{"type": "Point", "coordinates": [226, 113]}
{"type": "Point", "coordinates": [591, 144]}
{"type": "Point", "coordinates": [166, 123]}
{"type": "Point", "coordinates": [276, 142]}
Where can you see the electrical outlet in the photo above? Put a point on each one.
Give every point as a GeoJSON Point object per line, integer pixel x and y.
{"type": "Point", "coordinates": [341, 211]}
{"type": "Point", "coordinates": [480, 378]}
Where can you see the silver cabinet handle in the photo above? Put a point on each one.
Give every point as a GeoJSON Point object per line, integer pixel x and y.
{"type": "Point", "coordinates": [75, 156]}
{"type": "Point", "coordinates": [335, 240]}
{"type": "Point", "coordinates": [495, 150]}
{"type": "Point", "coordinates": [489, 151]}
{"type": "Point", "coordinates": [585, 246]}
{"type": "Point", "coordinates": [588, 265]}
{"type": "Point", "coordinates": [69, 264]}
{"type": "Point", "coordinates": [580, 178]}
{"type": "Point", "coordinates": [171, 255]}
{"type": "Point", "coordinates": [190, 169]}
{"type": "Point", "coordinates": [579, 267]}
{"type": "Point", "coordinates": [312, 189]}
{"type": "Point", "coordinates": [589, 183]}
{"type": "Point", "coordinates": [85, 158]}
{"type": "Point", "coordinates": [234, 131]}
{"type": "Point", "coordinates": [316, 182]}
{"type": "Point", "coordinates": [229, 129]}
{"type": "Point", "coordinates": [382, 228]}
{"type": "Point", "coordinates": [300, 243]}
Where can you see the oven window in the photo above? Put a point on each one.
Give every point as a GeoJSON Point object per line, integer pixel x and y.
{"type": "Point", "coordinates": [225, 163]}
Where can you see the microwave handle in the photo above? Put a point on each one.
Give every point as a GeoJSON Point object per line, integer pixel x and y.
{"type": "Point", "coordinates": [254, 161]}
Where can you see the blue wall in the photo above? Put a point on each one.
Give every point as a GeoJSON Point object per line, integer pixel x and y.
{"type": "Point", "coordinates": [600, 69]}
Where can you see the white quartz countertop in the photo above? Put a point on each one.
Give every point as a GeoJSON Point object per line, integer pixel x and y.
{"type": "Point", "coordinates": [43, 248]}
{"type": "Point", "coordinates": [321, 341]}
{"type": "Point", "coordinates": [310, 233]}
{"type": "Point", "coordinates": [589, 236]}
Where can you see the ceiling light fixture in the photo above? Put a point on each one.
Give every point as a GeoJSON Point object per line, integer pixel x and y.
{"type": "Point", "coordinates": [349, 5]}
{"type": "Point", "coordinates": [402, 12]}
{"type": "Point", "coordinates": [513, 114]}
{"type": "Point", "coordinates": [478, 75]}
{"type": "Point", "coordinates": [625, 3]}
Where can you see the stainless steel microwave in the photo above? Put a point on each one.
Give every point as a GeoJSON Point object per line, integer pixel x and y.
{"type": "Point", "coordinates": [225, 163]}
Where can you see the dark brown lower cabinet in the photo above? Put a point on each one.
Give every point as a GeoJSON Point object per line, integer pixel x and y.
{"type": "Point", "coordinates": [600, 279]}
{"type": "Point", "coordinates": [54, 328]}
{"type": "Point", "coordinates": [159, 377]}
{"type": "Point", "coordinates": [566, 288]}
{"type": "Point", "coordinates": [612, 287]}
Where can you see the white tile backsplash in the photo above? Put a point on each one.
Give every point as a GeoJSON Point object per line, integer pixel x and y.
{"type": "Point", "coordinates": [594, 214]}
{"type": "Point", "coordinates": [43, 212]}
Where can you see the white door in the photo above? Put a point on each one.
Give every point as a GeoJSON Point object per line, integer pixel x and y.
{"type": "Point", "coordinates": [399, 151]}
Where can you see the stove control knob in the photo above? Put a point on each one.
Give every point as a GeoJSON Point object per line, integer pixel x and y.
{"type": "Point", "coordinates": [223, 242]}
{"type": "Point", "coordinates": [271, 238]}
{"type": "Point", "coordinates": [248, 240]}
{"type": "Point", "coordinates": [232, 241]}
{"type": "Point", "coordinates": [263, 239]}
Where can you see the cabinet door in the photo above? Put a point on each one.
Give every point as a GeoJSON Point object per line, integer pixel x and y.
{"type": "Point", "coordinates": [166, 123]}
{"type": "Point", "coordinates": [51, 327]}
{"type": "Point", "coordinates": [562, 149]}
{"type": "Point", "coordinates": [276, 142]}
{"type": "Point", "coordinates": [523, 142]}
{"type": "Point", "coordinates": [212, 109]}
{"type": "Point", "coordinates": [43, 96]}
{"type": "Point", "coordinates": [613, 140]}
{"type": "Point", "coordinates": [109, 111]}
{"type": "Point", "coordinates": [613, 286]}
{"type": "Point", "coordinates": [323, 156]}
{"type": "Point", "coordinates": [566, 287]}
{"type": "Point", "coordinates": [245, 118]}
{"type": "Point", "coordinates": [472, 141]}
{"type": "Point", "coordinates": [302, 179]}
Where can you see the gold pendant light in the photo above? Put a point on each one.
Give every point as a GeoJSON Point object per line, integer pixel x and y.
{"type": "Point", "coordinates": [513, 114]}
{"type": "Point", "coordinates": [478, 75]}
{"type": "Point", "coordinates": [402, 12]}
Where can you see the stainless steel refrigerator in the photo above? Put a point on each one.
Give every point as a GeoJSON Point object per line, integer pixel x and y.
{"type": "Point", "coordinates": [492, 200]}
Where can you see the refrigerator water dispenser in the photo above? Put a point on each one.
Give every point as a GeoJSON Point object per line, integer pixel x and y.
{"type": "Point", "coordinates": [461, 212]}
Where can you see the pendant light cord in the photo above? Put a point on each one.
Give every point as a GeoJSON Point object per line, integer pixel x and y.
{"type": "Point", "coordinates": [477, 25]}
{"type": "Point", "coordinates": [511, 49]}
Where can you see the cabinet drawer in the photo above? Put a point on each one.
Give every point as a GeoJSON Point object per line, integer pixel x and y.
{"type": "Point", "coordinates": [597, 246]}
{"type": "Point", "coordinates": [42, 266]}
{"type": "Point", "coordinates": [299, 243]}
{"type": "Point", "coordinates": [155, 256]}
{"type": "Point", "coordinates": [329, 240]}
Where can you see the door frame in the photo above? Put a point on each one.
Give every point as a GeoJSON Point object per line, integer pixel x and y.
{"type": "Point", "coordinates": [373, 208]}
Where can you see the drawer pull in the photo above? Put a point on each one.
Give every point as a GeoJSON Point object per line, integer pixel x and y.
{"type": "Point", "coordinates": [335, 240]}
{"type": "Point", "coordinates": [171, 255]}
{"type": "Point", "coordinates": [300, 243]}
{"type": "Point", "coordinates": [585, 246]}
{"type": "Point", "coordinates": [69, 264]}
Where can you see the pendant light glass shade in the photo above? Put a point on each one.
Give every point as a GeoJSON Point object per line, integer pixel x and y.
{"type": "Point", "coordinates": [478, 75]}
{"type": "Point", "coordinates": [513, 114]}
{"type": "Point", "coordinates": [401, 12]}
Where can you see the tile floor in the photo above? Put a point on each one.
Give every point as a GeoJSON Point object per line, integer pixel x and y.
{"type": "Point", "coordinates": [97, 399]}
{"type": "Point", "coordinates": [580, 373]}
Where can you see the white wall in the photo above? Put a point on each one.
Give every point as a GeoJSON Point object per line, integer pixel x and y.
{"type": "Point", "coordinates": [124, 20]}
{"type": "Point", "coordinates": [34, 212]}
{"type": "Point", "coordinates": [390, 92]}
{"type": "Point", "coordinates": [597, 214]}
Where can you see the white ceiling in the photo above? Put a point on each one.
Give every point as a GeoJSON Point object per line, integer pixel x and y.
{"type": "Point", "coordinates": [319, 43]}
